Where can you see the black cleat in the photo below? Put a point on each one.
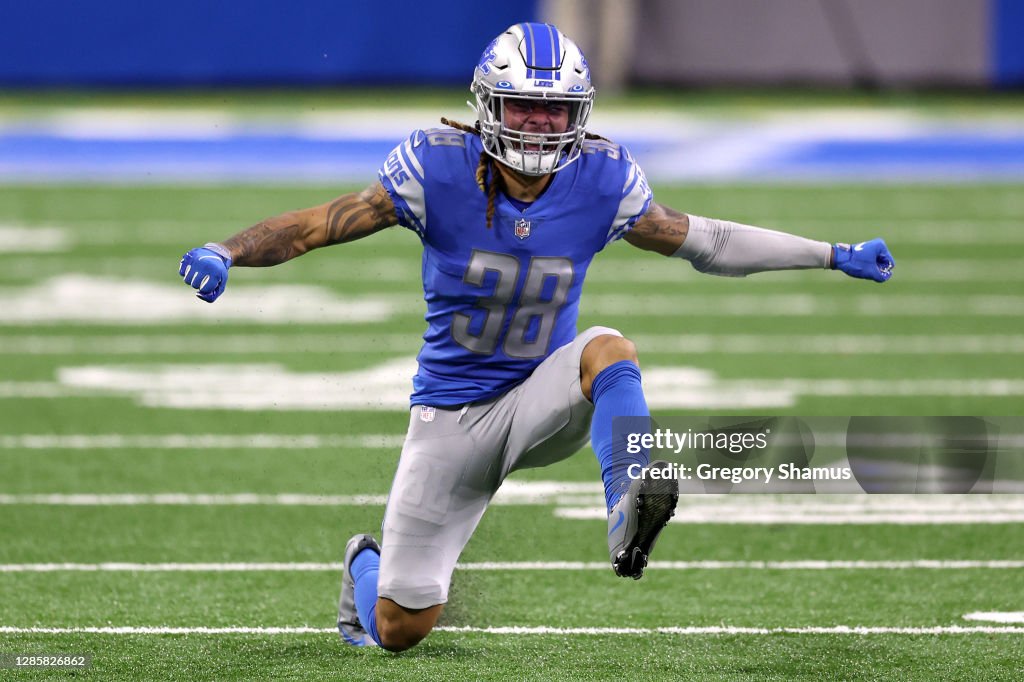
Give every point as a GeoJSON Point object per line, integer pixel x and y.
{"type": "Point", "coordinates": [636, 520]}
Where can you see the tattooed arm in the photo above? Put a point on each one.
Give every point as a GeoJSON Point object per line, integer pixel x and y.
{"type": "Point", "coordinates": [720, 247]}
{"type": "Point", "coordinates": [347, 218]}
{"type": "Point", "coordinates": [661, 229]}
{"type": "Point", "coordinates": [286, 236]}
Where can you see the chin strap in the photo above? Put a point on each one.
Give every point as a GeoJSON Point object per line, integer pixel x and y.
{"type": "Point", "coordinates": [517, 161]}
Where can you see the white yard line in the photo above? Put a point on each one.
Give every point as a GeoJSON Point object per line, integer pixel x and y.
{"type": "Point", "coordinates": [96, 300]}
{"type": "Point", "coordinates": [199, 441]}
{"type": "Point", "coordinates": [405, 270]}
{"type": "Point", "coordinates": [186, 344]}
{"type": "Point", "coordinates": [802, 565]}
{"type": "Point", "coordinates": [569, 495]}
{"type": "Point", "coordinates": [581, 501]}
{"type": "Point", "coordinates": [385, 386]}
{"type": "Point", "coordinates": [759, 516]}
{"type": "Point", "coordinates": [530, 630]}
{"type": "Point", "coordinates": [194, 500]}
{"type": "Point", "coordinates": [826, 344]}
{"type": "Point", "coordinates": [23, 239]}
{"type": "Point", "coordinates": [312, 441]}
{"type": "Point", "coordinates": [806, 304]}
{"type": "Point", "coordinates": [886, 387]}
{"type": "Point", "coordinates": [915, 228]}
{"type": "Point", "coordinates": [327, 344]}
{"type": "Point", "coordinates": [843, 509]}
{"type": "Point", "coordinates": [87, 299]}
{"type": "Point", "coordinates": [331, 567]}
{"type": "Point", "coordinates": [997, 616]}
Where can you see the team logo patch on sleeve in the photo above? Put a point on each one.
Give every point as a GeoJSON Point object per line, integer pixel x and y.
{"type": "Point", "coordinates": [522, 228]}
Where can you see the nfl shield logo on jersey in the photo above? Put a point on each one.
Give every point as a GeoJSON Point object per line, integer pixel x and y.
{"type": "Point", "coordinates": [522, 228]}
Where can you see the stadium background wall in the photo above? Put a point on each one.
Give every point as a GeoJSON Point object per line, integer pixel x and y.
{"type": "Point", "coordinates": [256, 42]}
{"type": "Point", "coordinates": [971, 43]}
{"type": "Point", "coordinates": [833, 42]}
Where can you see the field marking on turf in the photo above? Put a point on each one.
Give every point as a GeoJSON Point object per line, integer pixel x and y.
{"type": "Point", "coordinates": [670, 274]}
{"type": "Point", "coordinates": [97, 300]}
{"type": "Point", "coordinates": [86, 299]}
{"type": "Point", "coordinates": [329, 567]}
{"type": "Point", "coordinates": [581, 501]}
{"type": "Point", "coordinates": [406, 270]}
{"type": "Point", "coordinates": [193, 500]}
{"type": "Point", "coordinates": [510, 493]}
{"type": "Point", "coordinates": [805, 304]}
{"type": "Point", "coordinates": [23, 239]}
{"type": "Point", "coordinates": [313, 441]}
{"type": "Point", "coordinates": [842, 509]}
{"type": "Point", "coordinates": [997, 616]}
{"type": "Point", "coordinates": [186, 344]}
{"type": "Point", "coordinates": [528, 630]}
{"type": "Point", "coordinates": [327, 344]}
{"type": "Point", "coordinates": [714, 150]}
{"type": "Point", "coordinates": [1001, 229]}
{"type": "Point", "coordinates": [198, 442]}
{"type": "Point", "coordinates": [387, 385]}
{"type": "Point", "coordinates": [794, 517]}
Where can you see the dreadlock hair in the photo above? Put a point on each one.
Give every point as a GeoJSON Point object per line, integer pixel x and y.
{"type": "Point", "coordinates": [487, 177]}
{"type": "Point", "coordinates": [484, 170]}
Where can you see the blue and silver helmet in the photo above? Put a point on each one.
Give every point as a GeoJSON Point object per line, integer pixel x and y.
{"type": "Point", "coordinates": [536, 62]}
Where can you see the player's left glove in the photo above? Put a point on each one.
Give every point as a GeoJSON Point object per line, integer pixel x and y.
{"type": "Point", "coordinates": [867, 260]}
{"type": "Point", "coordinates": [206, 270]}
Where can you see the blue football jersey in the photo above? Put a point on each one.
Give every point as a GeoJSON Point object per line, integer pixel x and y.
{"type": "Point", "coordinates": [500, 300]}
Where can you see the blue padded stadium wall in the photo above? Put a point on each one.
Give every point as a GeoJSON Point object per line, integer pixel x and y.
{"type": "Point", "coordinates": [259, 42]}
{"type": "Point", "coordinates": [1008, 42]}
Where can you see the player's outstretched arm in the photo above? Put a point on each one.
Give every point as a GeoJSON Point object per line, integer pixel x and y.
{"type": "Point", "coordinates": [661, 229]}
{"type": "Point", "coordinates": [720, 247]}
{"type": "Point", "coordinates": [281, 238]}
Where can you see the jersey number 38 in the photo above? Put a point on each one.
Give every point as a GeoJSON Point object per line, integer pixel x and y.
{"type": "Point", "coordinates": [546, 289]}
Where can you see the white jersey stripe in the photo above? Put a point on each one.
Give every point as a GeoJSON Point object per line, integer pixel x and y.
{"type": "Point", "coordinates": [630, 180]}
{"type": "Point", "coordinates": [410, 156]}
{"type": "Point", "coordinates": [636, 197]}
{"type": "Point", "coordinates": [408, 184]}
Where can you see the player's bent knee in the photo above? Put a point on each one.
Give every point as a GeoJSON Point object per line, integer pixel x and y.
{"type": "Point", "coordinates": [601, 352]}
{"type": "Point", "coordinates": [400, 628]}
{"type": "Point", "coordinates": [399, 636]}
{"type": "Point", "coordinates": [621, 348]}
{"type": "Point", "coordinates": [606, 350]}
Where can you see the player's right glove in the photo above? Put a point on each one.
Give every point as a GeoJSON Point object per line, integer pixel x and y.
{"type": "Point", "coordinates": [867, 260]}
{"type": "Point", "coordinates": [206, 270]}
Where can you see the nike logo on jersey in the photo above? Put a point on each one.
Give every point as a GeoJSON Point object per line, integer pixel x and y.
{"type": "Point", "coordinates": [859, 247]}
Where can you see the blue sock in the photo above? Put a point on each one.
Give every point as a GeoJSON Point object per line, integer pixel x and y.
{"type": "Point", "coordinates": [617, 392]}
{"type": "Point", "coordinates": [365, 569]}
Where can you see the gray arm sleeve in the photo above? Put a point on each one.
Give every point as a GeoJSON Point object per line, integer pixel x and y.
{"type": "Point", "coordinates": [720, 247]}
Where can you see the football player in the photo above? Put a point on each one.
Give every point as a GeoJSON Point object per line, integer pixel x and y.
{"type": "Point", "coordinates": [510, 212]}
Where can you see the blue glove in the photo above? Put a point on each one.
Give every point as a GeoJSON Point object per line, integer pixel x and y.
{"type": "Point", "coordinates": [206, 269]}
{"type": "Point", "coordinates": [867, 260]}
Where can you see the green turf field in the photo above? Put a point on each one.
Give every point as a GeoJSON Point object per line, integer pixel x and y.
{"type": "Point", "coordinates": [944, 337]}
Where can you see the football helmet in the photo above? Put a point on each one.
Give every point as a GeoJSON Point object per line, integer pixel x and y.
{"type": "Point", "coordinates": [536, 62]}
